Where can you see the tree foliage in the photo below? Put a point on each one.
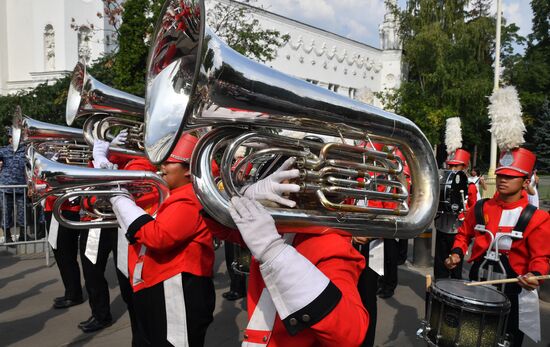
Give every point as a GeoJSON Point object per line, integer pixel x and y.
{"type": "Point", "coordinates": [541, 138]}
{"type": "Point", "coordinates": [530, 74]}
{"type": "Point", "coordinates": [124, 69]}
{"type": "Point", "coordinates": [449, 54]}
{"type": "Point", "coordinates": [232, 21]}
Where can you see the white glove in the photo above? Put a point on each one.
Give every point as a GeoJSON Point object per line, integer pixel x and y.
{"type": "Point", "coordinates": [271, 188]}
{"type": "Point", "coordinates": [100, 151]}
{"type": "Point", "coordinates": [257, 228]}
{"type": "Point", "coordinates": [121, 138]}
{"type": "Point", "coordinates": [126, 210]}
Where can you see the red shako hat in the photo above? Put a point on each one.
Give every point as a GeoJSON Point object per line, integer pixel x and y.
{"type": "Point", "coordinates": [183, 150]}
{"type": "Point", "coordinates": [517, 162]}
{"type": "Point", "coordinates": [459, 157]}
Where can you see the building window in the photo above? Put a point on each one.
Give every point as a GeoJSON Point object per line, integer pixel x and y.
{"type": "Point", "coordinates": [49, 48]}
{"type": "Point", "coordinates": [312, 81]}
{"type": "Point", "coordinates": [333, 87]}
{"type": "Point", "coordinates": [84, 37]}
{"type": "Point", "coordinates": [352, 92]}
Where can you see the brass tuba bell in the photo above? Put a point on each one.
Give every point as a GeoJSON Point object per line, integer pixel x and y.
{"type": "Point", "coordinates": [194, 80]}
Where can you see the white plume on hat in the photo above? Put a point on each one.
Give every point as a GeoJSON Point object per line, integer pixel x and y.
{"type": "Point", "coordinates": [506, 122]}
{"type": "Point", "coordinates": [453, 134]}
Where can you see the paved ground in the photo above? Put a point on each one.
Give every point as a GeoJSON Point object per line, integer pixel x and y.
{"type": "Point", "coordinates": [27, 287]}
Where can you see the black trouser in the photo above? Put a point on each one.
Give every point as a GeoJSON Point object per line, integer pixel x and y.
{"type": "Point", "coordinates": [403, 251]}
{"type": "Point", "coordinates": [127, 294]}
{"type": "Point", "coordinates": [367, 287]}
{"type": "Point", "coordinates": [238, 281]}
{"type": "Point", "coordinates": [388, 282]}
{"type": "Point", "coordinates": [66, 256]}
{"type": "Point", "coordinates": [511, 290]}
{"type": "Point", "coordinates": [443, 245]}
{"type": "Point", "coordinates": [94, 274]}
{"type": "Point", "coordinates": [199, 299]}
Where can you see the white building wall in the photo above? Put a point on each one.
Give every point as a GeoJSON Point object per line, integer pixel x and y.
{"type": "Point", "coordinates": [22, 46]}
{"type": "Point", "coordinates": [331, 61]}
{"type": "Point", "coordinates": [334, 62]}
{"type": "Point", "coordinates": [3, 51]}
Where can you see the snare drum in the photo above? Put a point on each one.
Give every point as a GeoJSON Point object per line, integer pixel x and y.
{"type": "Point", "coordinates": [241, 260]}
{"type": "Point", "coordinates": [451, 183]}
{"type": "Point", "coordinates": [459, 315]}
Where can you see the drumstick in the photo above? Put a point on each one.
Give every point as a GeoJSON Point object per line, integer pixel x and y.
{"type": "Point", "coordinates": [505, 280]}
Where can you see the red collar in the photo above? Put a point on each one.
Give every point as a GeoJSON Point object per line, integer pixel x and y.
{"type": "Point", "coordinates": [511, 205]}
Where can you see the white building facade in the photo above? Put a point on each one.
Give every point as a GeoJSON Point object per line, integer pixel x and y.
{"type": "Point", "coordinates": [38, 44]}
{"type": "Point", "coordinates": [334, 62]}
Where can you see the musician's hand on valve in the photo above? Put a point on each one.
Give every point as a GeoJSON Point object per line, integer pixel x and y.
{"type": "Point", "coordinates": [527, 282]}
{"type": "Point", "coordinates": [452, 261]}
{"type": "Point", "coordinates": [271, 188]}
{"type": "Point", "coordinates": [257, 228]}
{"type": "Point", "coordinates": [121, 138]}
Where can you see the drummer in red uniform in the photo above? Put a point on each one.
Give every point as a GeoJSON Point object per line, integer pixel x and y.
{"type": "Point", "coordinates": [445, 228]}
{"type": "Point", "coordinates": [172, 275]}
{"type": "Point", "coordinates": [302, 286]}
{"type": "Point", "coordinates": [523, 257]}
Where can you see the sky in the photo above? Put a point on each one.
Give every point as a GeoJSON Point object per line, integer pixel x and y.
{"type": "Point", "coordinates": [359, 19]}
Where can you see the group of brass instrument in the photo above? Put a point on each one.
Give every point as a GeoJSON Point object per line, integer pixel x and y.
{"type": "Point", "coordinates": [195, 82]}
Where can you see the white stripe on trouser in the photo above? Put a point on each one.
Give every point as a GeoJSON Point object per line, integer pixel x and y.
{"type": "Point", "coordinates": [92, 244]}
{"type": "Point", "coordinates": [122, 252]}
{"type": "Point", "coordinates": [52, 233]}
{"type": "Point", "coordinates": [176, 317]}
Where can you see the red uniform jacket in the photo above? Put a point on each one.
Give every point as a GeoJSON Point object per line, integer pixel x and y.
{"type": "Point", "coordinates": [178, 240]}
{"type": "Point", "coordinates": [529, 254]}
{"type": "Point", "coordinates": [148, 202]}
{"type": "Point", "coordinates": [334, 255]}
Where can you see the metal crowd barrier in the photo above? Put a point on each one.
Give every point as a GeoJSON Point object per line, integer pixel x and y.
{"type": "Point", "coordinates": [30, 229]}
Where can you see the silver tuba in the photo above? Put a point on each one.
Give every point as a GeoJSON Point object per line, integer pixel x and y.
{"type": "Point", "coordinates": [93, 186]}
{"type": "Point", "coordinates": [194, 80]}
{"type": "Point", "coordinates": [66, 143]}
{"type": "Point", "coordinates": [105, 108]}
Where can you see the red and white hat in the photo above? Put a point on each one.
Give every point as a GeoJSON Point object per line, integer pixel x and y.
{"type": "Point", "coordinates": [517, 162]}
{"type": "Point", "coordinates": [459, 157]}
{"type": "Point", "coordinates": [183, 150]}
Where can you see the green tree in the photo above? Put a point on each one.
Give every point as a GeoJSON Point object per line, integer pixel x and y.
{"type": "Point", "coordinates": [531, 73]}
{"type": "Point", "coordinates": [233, 23]}
{"type": "Point", "coordinates": [541, 138]}
{"type": "Point", "coordinates": [449, 54]}
{"type": "Point", "coordinates": [129, 63]}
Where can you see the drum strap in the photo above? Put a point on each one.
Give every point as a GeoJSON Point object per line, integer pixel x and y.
{"type": "Point", "coordinates": [525, 218]}
{"type": "Point", "coordinates": [522, 222]}
{"type": "Point", "coordinates": [478, 210]}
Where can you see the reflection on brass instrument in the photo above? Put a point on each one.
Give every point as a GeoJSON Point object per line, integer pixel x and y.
{"type": "Point", "coordinates": [194, 80]}
{"type": "Point", "coordinates": [65, 143]}
{"type": "Point", "coordinates": [93, 186]}
{"type": "Point", "coordinates": [105, 108]}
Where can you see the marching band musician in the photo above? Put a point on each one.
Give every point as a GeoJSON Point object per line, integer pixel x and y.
{"type": "Point", "coordinates": [172, 274]}
{"type": "Point", "coordinates": [95, 246]}
{"type": "Point", "coordinates": [447, 223]}
{"type": "Point", "coordinates": [64, 242]}
{"type": "Point", "coordinates": [522, 257]}
{"type": "Point", "coordinates": [302, 286]}
{"type": "Point", "coordinates": [122, 251]}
